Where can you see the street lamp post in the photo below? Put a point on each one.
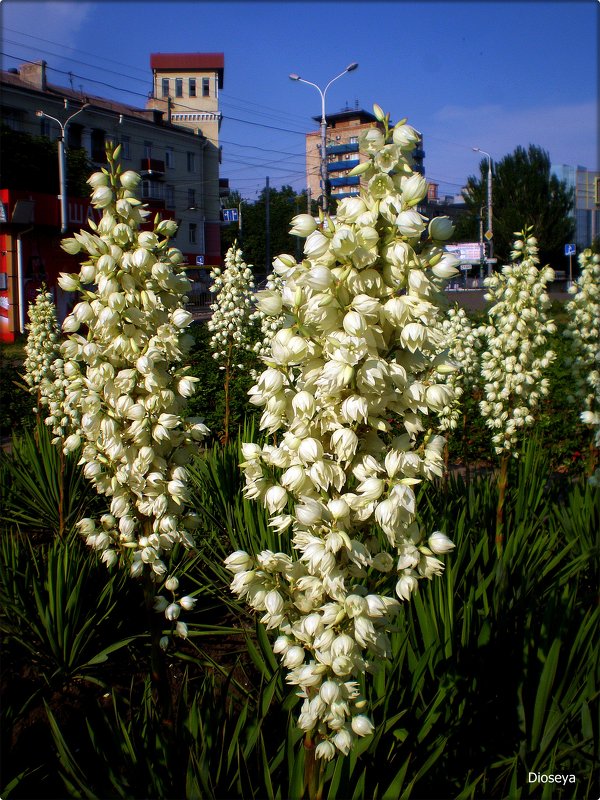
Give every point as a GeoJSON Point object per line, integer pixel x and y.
{"type": "Point", "coordinates": [62, 167]}
{"type": "Point", "coordinates": [490, 229]}
{"type": "Point", "coordinates": [323, 92]}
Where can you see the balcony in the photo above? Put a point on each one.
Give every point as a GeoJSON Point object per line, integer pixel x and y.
{"type": "Point", "coordinates": [152, 166]}
{"type": "Point", "coordinates": [342, 148]}
{"type": "Point", "coordinates": [348, 180]}
{"type": "Point", "coordinates": [335, 166]}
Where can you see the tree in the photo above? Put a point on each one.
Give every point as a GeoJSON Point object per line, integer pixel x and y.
{"type": "Point", "coordinates": [31, 163]}
{"type": "Point", "coordinates": [284, 204]}
{"type": "Point", "coordinates": [524, 192]}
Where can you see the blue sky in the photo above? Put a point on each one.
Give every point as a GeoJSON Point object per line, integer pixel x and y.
{"type": "Point", "coordinates": [487, 74]}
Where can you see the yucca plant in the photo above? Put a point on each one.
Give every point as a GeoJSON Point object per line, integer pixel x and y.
{"type": "Point", "coordinates": [56, 614]}
{"type": "Point", "coordinates": [42, 490]}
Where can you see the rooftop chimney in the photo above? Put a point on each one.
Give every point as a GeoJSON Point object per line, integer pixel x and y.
{"type": "Point", "coordinates": [34, 73]}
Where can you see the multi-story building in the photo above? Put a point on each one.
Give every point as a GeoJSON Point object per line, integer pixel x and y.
{"type": "Point", "coordinates": [186, 89]}
{"type": "Point", "coordinates": [179, 164]}
{"type": "Point", "coordinates": [343, 130]}
{"type": "Point", "coordinates": [585, 185]}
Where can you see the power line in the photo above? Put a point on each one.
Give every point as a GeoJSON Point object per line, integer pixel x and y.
{"type": "Point", "coordinates": [103, 59]}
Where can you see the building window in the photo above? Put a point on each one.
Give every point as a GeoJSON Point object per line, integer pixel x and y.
{"type": "Point", "coordinates": [170, 196]}
{"type": "Point", "coordinates": [192, 233]}
{"type": "Point", "coordinates": [169, 158]}
{"type": "Point", "coordinates": [14, 118]}
{"type": "Point", "coordinates": [165, 87]}
{"type": "Point", "coordinates": [152, 190]}
{"type": "Point", "coordinates": [191, 162]}
{"type": "Point", "coordinates": [192, 87]}
{"type": "Point", "coordinates": [147, 149]}
{"type": "Point", "coordinates": [44, 127]}
{"type": "Point", "coordinates": [178, 87]}
{"type": "Point", "coordinates": [353, 140]}
{"type": "Point", "coordinates": [191, 198]}
{"type": "Point", "coordinates": [205, 87]}
{"type": "Point", "coordinates": [125, 147]}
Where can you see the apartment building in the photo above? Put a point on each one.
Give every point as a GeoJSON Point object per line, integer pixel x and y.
{"type": "Point", "coordinates": [179, 165]}
{"type": "Point", "coordinates": [343, 131]}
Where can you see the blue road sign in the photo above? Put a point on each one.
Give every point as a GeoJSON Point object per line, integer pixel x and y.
{"type": "Point", "coordinates": [569, 249]}
{"type": "Point", "coordinates": [230, 215]}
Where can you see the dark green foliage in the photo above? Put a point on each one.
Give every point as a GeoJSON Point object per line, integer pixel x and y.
{"type": "Point", "coordinates": [16, 403]}
{"type": "Point", "coordinates": [43, 490]}
{"type": "Point", "coordinates": [209, 399]}
{"type": "Point", "coordinates": [64, 630]}
{"type": "Point", "coordinates": [524, 193]}
{"type": "Point", "coordinates": [33, 161]}
{"type": "Point", "coordinates": [493, 672]}
{"type": "Point", "coordinates": [284, 204]}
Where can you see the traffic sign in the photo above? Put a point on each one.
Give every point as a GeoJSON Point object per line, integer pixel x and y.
{"type": "Point", "coordinates": [569, 249]}
{"type": "Point", "coordinates": [199, 261]}
{"type": "Point", "coordinates": [488, 235]}
{"type": "Point", "coordinates": [230, 215]}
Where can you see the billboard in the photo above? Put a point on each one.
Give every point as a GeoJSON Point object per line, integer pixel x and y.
{"type": "Point", "coordinates": [466, 251]}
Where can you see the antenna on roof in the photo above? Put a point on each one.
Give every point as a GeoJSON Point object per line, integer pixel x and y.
{"type": "Point", "coordinates": [71, 81]}
{"type": "Point", "coordinates": [356, 105]}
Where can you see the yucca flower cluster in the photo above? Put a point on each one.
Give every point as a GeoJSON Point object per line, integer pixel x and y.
{"type": "Point", "coordinates": [463, 342]}
{"type": "Point", "coordinates": [516, 355]}
{"type": "Point", "coordinates": [348, 393]}
{"type": "Point", "coordinates": [269, 313]}
{"type": "Point", "coordinates": [63, 415]}
{"type": "Point", "coordinates": [43, 341]}
{"type": "Point", "coordinates": [583, 332]}
{"type": "Point", "coordinates": [125, 374]}
{"type": "Point", "coordinates": [232, 308]}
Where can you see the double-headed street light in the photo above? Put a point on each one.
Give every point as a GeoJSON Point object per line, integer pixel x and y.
{"type": "Point", "coordinates": [490, 231]}
{"type": "Point", "coordinates": [62, 169]}
{"type": "Point", "coordinates": [323, 92]}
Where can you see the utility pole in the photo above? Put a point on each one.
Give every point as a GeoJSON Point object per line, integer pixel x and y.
{"type": "Point", "coordinates": [268, 227]}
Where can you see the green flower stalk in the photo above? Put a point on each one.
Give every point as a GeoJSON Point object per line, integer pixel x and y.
{"type": "Point", "coordinates": [350, 392]}
{"type": "Point", "coordinates": [583, 332]}
{"type": "Point", "coordinates": [125, 372]}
